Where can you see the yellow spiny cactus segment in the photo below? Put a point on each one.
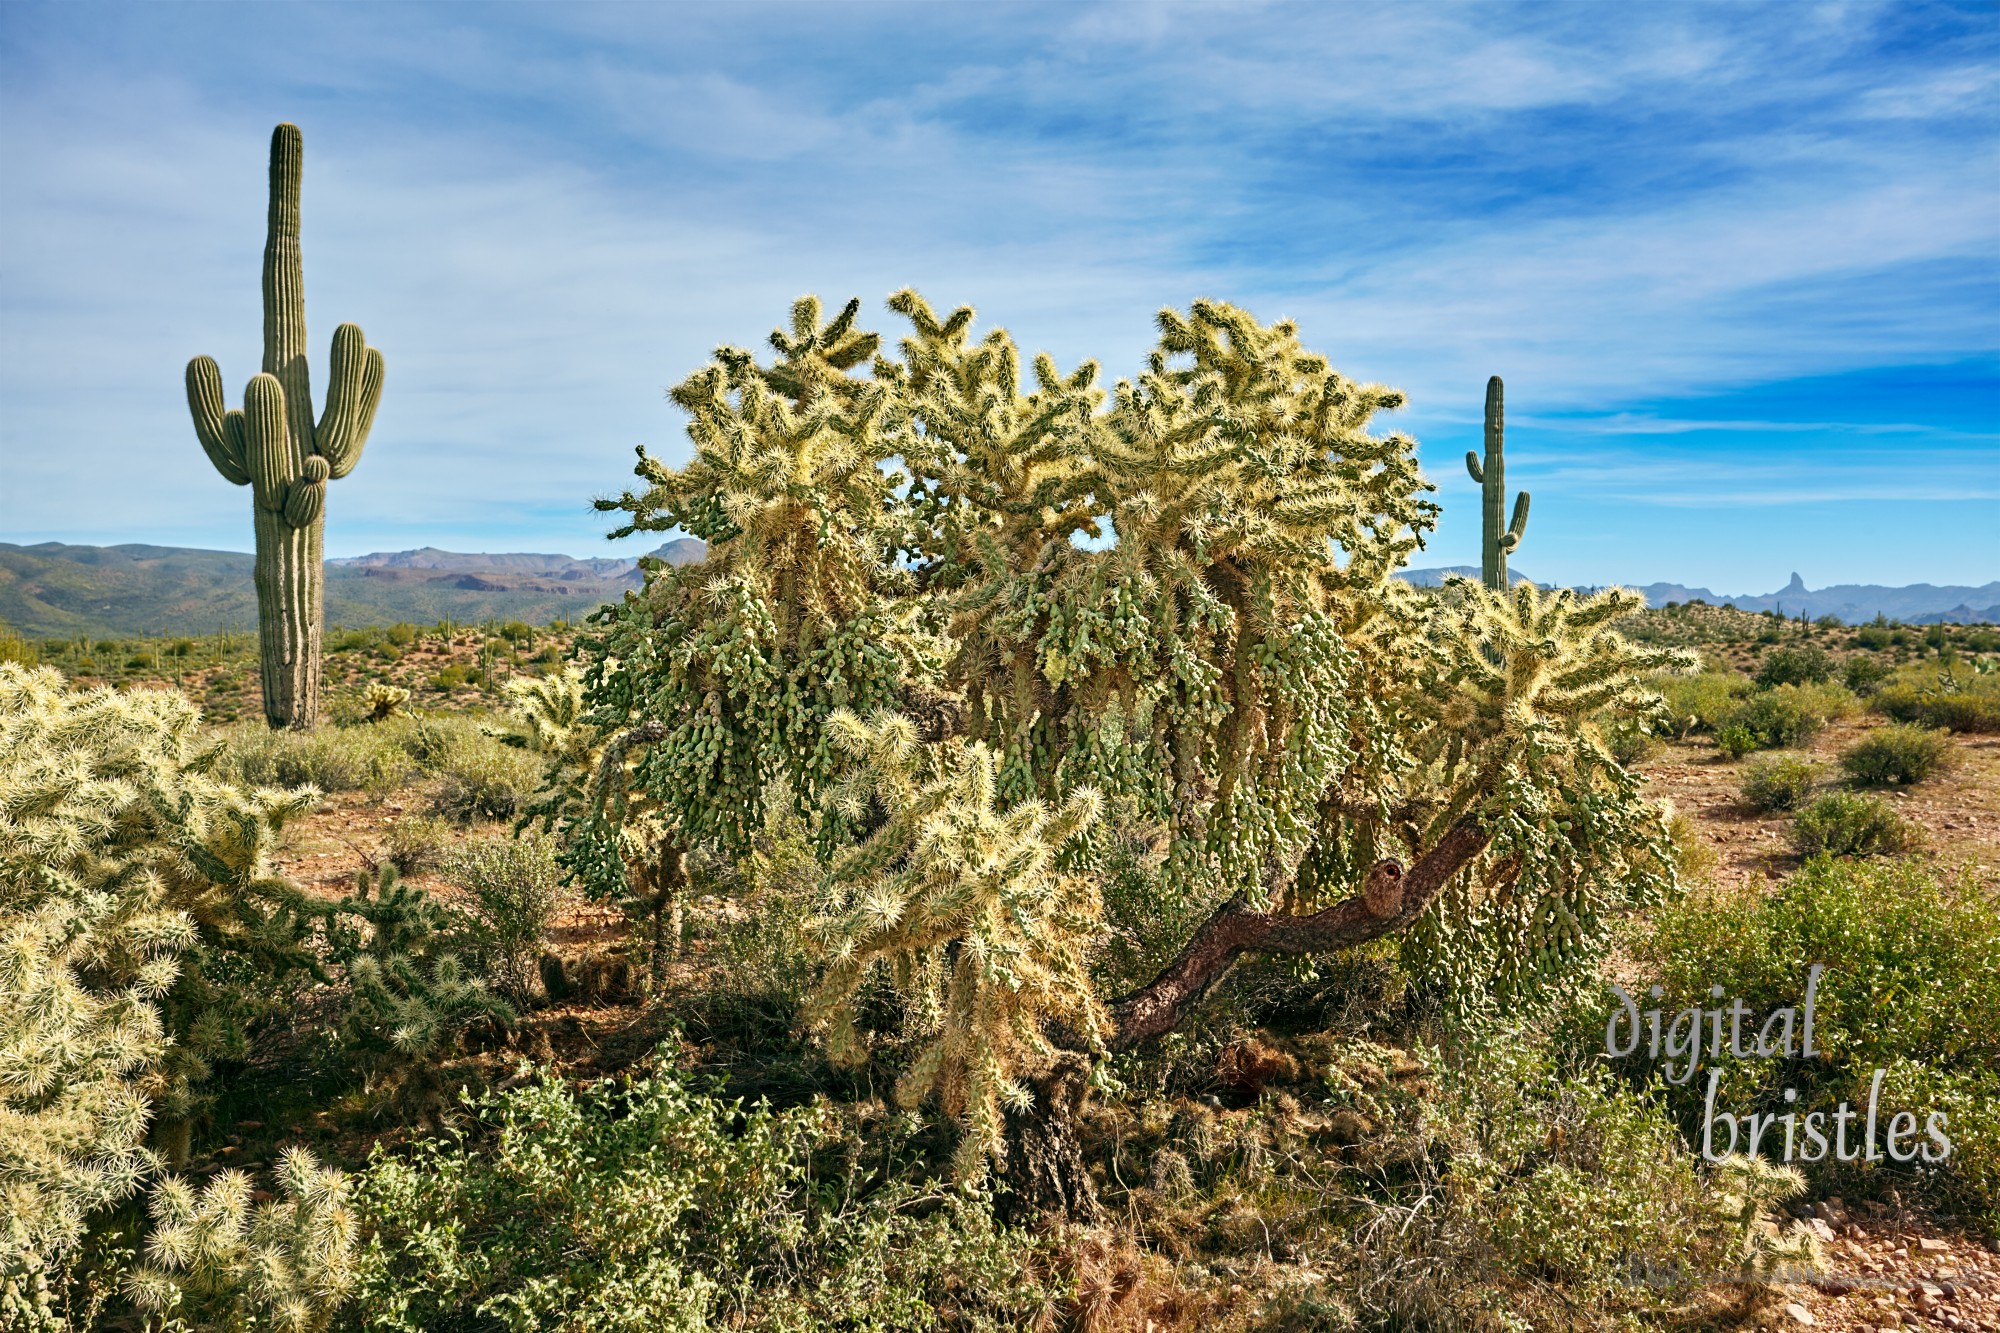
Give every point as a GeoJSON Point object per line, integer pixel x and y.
{"type": "Point", "coordinates": [965, 904]}
{"type": "Point", "coordinates": [786, 484]}
{"type": "Point", "coordinates": [1529, 675]}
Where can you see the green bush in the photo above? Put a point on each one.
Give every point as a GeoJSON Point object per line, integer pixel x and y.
{"type": "Point", "coordinates": [1701, 702]}
{"type": "Point", "coordinates": [454, 676]}
{"type": "Point", "coordinates": [485, 782]}
{"type": "Point", "coordinates": [402, 634]}
{"type": "Point", "coordinates": [1957, 698]}
{"type": "Point", "coordinates": [1778, 781]}
{"type": "Point", "coordinates": [1864, 674]}
{"type": "Point", "coordinates": [516, 887]}
{"type": "Point", "coordinates": [1736, 740]}
{"type": "Point", "coordinates": [1897, 755]}
{"type": "Point", "coordinates": [1630, 741]}
{"type": "Point", "coordinates": [416, 844]}
{"type": "Point", "coordinates": [1805, 664]}
{"type": "Point", "coordinates": [643, 1205]}
{"type": "Point", "coordinates": [1784, 716]}
{"type": "Point", "coordinates": [1910, 986]}
{"type": "Point", "coordinates": [1528, 1166]}
{"type": "Point", "coordinates": [1847, 824]}
{"type": "Point", "coordinates": [331, 759]}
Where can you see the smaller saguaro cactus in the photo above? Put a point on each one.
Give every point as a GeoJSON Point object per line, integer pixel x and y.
{"type": "Point", "coordinates": [274, 447]}
{"type": "Point", "coordinates": [1495, 542]}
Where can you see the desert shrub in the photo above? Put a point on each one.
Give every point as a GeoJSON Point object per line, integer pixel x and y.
{"type": "Point", "coordinates": [402, 634]}
{"type": "Point", "coordinates": [15, 649]}
{"type": "Point", "coordinates": [1778, 781]}
{"type": "Point", "coordinates": [473, 775]}
{"type": "Point", "coordinates": [1530, 1166]}
{"type": "Point", "coordinates": [481, 783]}
{"type": "Point", "coordinates": [331, 758]}
{"type": "Point", "coordinates": [1736, 740]}
{"type": "Point", "coordinates": [1805, 664]}
{"type": "Point", "coordinates": [454, 677]}
{"type": "Point", "coordinates": [416, 844]}
{"type": "Point", "coordinates": [642, 1204]}
{"type": "Point", "coordinates": [1864, 674]}
{"type": "Point", "coordinates": [515, 886]}
{"type": "Point", "coordinates": [1701, 702]}
{"type": "Point", "coordinates": [1783, 716]}
{"type": "Point", "coordinates": [1896, 755]}
{"type": "Point", "coordinates": [1957, 698]}
{"type": "Point", "coordinates": [1694, 859]}
{"type": "Point", "coordinates": [1844, 823]}
{"type": "Point", "coordinates": [1909, 986]}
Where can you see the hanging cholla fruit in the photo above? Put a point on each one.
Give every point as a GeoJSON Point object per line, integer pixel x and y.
{"type": "Point", "coordinates": [1492, 478]}
{"type": "Point", "coordinates": [274, 447]}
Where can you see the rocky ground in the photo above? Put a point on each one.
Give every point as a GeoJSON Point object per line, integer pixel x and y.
{"type": "Point", "coordinates": [1885, 1269]}
{"type": "Point", "coordinates": [1958, 811]}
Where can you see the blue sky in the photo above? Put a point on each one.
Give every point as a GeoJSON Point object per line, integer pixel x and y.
{"type": "Point", "coordinates": [1739, 264]}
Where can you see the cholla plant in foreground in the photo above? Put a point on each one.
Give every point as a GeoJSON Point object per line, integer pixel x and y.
{"type": "Point", "coordinates": [1158, 618]}
{"type": "Point", "coordinates": [225, 1261]}
{"type": "Point", "coordinates": [126, 870]}
{"type": "Point", "coordinates": [984, 934]}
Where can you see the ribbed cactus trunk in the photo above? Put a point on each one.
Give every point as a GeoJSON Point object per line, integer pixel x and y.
{"type": "Point", "coordinates": [274, 447]}
{"type": "Point", "coordinates": [1497, 538]}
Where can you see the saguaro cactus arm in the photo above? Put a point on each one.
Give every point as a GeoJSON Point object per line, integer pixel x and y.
{"type": "Point", "coordinates": [305, 499]}
{"type": "Point", "coordinates": [1519, 527]}
{"type": "Point", "coordinates": [351, 395]}
{"type": "Point", "coordinates": [1472, 466]}
{"type": "Point", "coordinates": [268, 454]}
{"type": "Point", "coordinates": [220, 431]}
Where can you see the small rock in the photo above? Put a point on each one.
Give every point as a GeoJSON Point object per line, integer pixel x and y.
{"type": "Point", "coordinates": [1931, 1246]}
{"type": "Point", "coordinates": [1819, 1228]}
{"type": "Point", "coordinates": [1799, 1314]}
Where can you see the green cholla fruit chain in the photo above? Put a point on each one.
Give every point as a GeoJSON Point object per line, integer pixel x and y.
{"type": "Point", "coordinates": [1495, 541]}
{"type": "Point", "coordinates": [274, 447]}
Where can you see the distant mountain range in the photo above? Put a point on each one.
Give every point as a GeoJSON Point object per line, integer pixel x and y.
{"type": "Point", "coordinates": [1916, 604]}
{"type": "Point", "coordinates": [52, 590]}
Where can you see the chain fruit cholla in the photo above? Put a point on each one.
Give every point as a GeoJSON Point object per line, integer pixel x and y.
{"type": "Point", "coordinates": [273, 446]}
{"type": "Point", "coordinates": [1495, 542]}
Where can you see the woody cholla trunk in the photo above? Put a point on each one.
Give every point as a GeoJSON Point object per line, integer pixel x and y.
{"type": "Point", "coordinates": [274, 447]}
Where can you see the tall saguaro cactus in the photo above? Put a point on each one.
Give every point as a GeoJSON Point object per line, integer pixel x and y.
{"type": "Point", "coordinates": [1495, 542]}
{"type": "Point", "coordinates": [274, 447]}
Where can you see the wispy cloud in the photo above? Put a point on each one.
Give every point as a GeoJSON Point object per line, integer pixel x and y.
{"type": "Point", "coordinates": [545, 214]}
